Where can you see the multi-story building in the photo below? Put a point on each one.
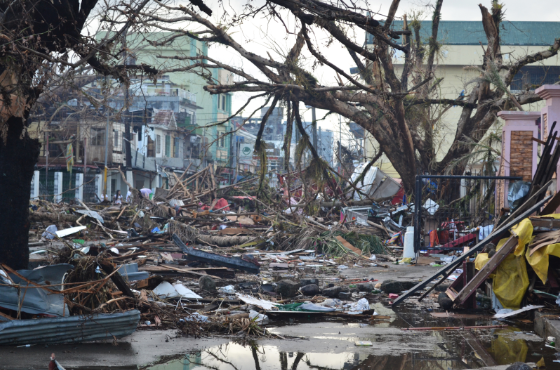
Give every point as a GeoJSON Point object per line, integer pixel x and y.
{"type": "Point", "coordinates": [210, 108]}
{"type": "Point", "coordinates": [463, 44]}
{"type": "Point", "coordinates": [325, 142]}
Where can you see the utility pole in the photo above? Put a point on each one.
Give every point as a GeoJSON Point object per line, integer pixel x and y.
{"type": "Point", "coordinates": [339, 143]}
{"type": "Point", "coordinates": [106, 137]}
{"type": "Point", "coordinates": [128, 154]}
{"type": "Point", "coordinates": [314, 126]}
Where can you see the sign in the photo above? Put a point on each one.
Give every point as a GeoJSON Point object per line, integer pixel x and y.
{"type": "Point", "coordinates": [69, 157]}
{"type": "Point", "coordinates": [246, 151]}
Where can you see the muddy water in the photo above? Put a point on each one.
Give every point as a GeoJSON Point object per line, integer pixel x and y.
{"type": "Point", "coordinates": [446, 350]}
{"type": "Point", "coordinates": [328, 343]}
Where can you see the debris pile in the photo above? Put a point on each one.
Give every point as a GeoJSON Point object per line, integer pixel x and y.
{"type": "Point", "coordinates": [206, 260]}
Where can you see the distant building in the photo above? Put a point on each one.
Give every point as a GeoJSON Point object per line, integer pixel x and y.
{"type": "Point", "coordinates": [210, 108]}
{"type": "Point", "coordinates": [325, 141]}
{"type": "Point", "coordinates": [463, 44]}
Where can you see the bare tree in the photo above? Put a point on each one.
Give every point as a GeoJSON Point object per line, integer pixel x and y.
{"type": "Point", "coordinates": [398, 110]}
{"type": "Point", "coordinates": [42, 44]}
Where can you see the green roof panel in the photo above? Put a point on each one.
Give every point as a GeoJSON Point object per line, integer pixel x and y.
{"type": "Point", "coordinates": [472, 32]}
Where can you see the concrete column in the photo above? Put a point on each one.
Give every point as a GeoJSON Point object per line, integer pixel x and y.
{"type": "Point", "coordinates": [35, 185]}
{"type": "Point", "coordinates": [550, 113]}
{"type": "Point", "coordinates": [99, 185]}
{"type": "Point", "coordinates": [80, 186]}
{"type": "Point", "coordinates": [519, 151]}
{"type": "Point", "coordinates": [109, 186]}
{"type": "Point", "coordinates": [58, 183]}
{"type": "Point", "coordinates": [130, 179]}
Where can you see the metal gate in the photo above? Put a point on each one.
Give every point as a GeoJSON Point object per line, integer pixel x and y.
{"type": "Point", "coordinates": [448, 208]}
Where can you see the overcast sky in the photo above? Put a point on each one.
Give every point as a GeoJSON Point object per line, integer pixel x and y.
{"type": "Point", "coordinates": [259, 35]}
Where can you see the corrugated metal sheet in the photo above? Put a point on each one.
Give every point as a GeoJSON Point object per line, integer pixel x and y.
{"type": "Point", "coordinates": [69, 329]}
{"type": "Point", "coordinates": [472, 32]}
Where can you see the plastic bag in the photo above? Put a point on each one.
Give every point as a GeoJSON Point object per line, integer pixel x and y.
{"type": "Point", "coordinates": [315, 307]}
{"type": "Point", "coordinates": [517, 190]}
{"type": "Point", "coordinates": [259, 318]}
{"type": "Point", "coordinates": [332, 302]}
{"type": "Point", "coordinates": [227, 289]}
{"type": "Point", "coordinates": [50, 232]}
{"type": "Point", "coordinates": [196, 317]}
{"type": "Point", "coordinates": [359, 307]}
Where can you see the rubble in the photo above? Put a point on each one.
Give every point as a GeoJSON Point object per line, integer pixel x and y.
{"type": "Point", "coordinates": [206, 261]}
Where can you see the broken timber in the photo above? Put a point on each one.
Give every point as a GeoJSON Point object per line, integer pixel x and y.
{"type": "Point", "coordinates": [348, 246]}
{"type": "Point", "coordinates": [216, 259]}
{"type": "Point", "coordinates": [485, 271]}
{"type": "Point", "coordinates": [498, 233]}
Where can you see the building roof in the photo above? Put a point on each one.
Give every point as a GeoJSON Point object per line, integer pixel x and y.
{"type": "Point", "coordinates": [472, 32]}
{"type": "Point", "coordinates": [164, 117]}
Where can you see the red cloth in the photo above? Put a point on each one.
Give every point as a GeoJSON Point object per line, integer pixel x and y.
{"type": "Point", "coordinates": [434, 240]}
{"type": "Point", "coordinates": [221, 203]}
{"type": "Point", "coordinates": [52, 365]}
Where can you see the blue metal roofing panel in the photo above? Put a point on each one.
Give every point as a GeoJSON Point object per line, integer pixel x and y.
{"type": "Point", "coordinates": [69, 329]}
{"type": "Point", "coordinates": [472, 32]}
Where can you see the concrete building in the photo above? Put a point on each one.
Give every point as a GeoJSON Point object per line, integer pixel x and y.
{"type": "Point", "coordinates": [325, 141]}
{"type": "Point", "coordinates": [461, 47]}
{"type": "Point", "coordinates": [146, 48]}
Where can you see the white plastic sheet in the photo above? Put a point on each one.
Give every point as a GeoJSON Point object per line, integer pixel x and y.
{"type": "Point", "coordinates": [259, 318]}
{"type": "Point", "coordinates": [265, 305]}
{"type": "Point", "coordinates": [166, 290]}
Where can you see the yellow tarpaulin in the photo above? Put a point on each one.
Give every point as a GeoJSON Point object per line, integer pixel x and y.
{"type": "Point", "coordinates": [510, 280]}
{"type": "Point", "coordinates": [506, 350]}
{"type": "Point", "coordinates": [539, 259]}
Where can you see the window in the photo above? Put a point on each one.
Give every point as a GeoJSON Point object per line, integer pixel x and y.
{"type": "Point", "coordinates": [176, 147]}
{"type": "Point", "coordinates": [97, 136]}
{"type": "Point", "coordinates": [223, 102]}
{"type": "Point", "coordinates": [151, 152]}
{"type": "Point", "coordinates": [221, 139]}
{"type": "Point", "coordinates": [531, 77]}
{"type": "Point", "coordinates": [116, 139]}
{"type": "Point", "coordinates": [158, 144]}
{"type": "Point", "coordinates": [167, 146]}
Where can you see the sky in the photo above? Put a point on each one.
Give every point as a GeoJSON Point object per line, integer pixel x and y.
{"type": "Point", "coordinates": [259, 35]}
{"type": "Point", "coordinates": [262, 36]}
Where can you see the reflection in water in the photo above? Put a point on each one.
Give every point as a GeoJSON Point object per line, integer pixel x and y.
{"type": "Point", "coordinates": [237, 357]}
{"type": "Point", "coordinates": [506, 350]}
{"type": "Point", "coordinates": [455, 350]}
{"type": "Point", "coordinates": [452, 350]}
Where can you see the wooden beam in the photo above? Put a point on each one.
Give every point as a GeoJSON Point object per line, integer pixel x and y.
{"type": "Point", "coordinates": [489, 268]}
{"type": "Point", "coordinates": [497, 233]}
{"type": "Point", "coordinates": [548, 223]}
{"type": "Point", "coordinates": [552, 205]}
{"type": "Point", "coordinates": [348, 246]}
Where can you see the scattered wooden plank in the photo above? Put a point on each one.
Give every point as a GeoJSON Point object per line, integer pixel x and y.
{"type": "Point", "coordinates": [497, 233]}
{"type": "Point", "coordinates": [489, 268]}
{"type": "Point", "coordinates": [348, 246]}
{"type": "Point", "coordinates": [553, 205]}
{"type": "Point", "coordinates": [546, 223]}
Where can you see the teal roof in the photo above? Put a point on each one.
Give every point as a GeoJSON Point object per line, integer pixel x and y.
{"type": "Point", "coordinates": [472, 32]}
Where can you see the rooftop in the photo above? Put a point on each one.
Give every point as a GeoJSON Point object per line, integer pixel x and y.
{"type": "Point", "coordinates": [472, 32]}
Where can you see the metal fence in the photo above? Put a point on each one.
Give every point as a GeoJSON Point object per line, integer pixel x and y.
{"type": "Point", "coordinates": [448, 209]}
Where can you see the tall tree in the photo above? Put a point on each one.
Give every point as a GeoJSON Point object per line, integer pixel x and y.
{"type": "Point", "coordinates": [41, 43]}
{"type": "Point", "coordinates": [398, 109]}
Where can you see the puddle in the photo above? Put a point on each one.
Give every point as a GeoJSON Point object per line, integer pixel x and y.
{"type": "Point", "coordinates": [330, 345]}
{"type": "Point", "coordinates": [454, 352]}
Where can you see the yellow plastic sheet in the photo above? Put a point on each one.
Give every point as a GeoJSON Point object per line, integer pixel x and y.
{"type": "Point", "coordinates": [510, 280]}
{"type": "Point", "coordinates": [524, 232]}
{"type": "Point", "coordinates": [539, 259]}
{"type": "Point", "coordinates": [506, 350]}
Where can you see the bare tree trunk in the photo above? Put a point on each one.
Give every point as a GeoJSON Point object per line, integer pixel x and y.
{"type": "Point", "coordinates": [18, 156]}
